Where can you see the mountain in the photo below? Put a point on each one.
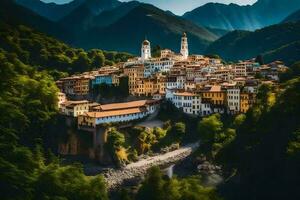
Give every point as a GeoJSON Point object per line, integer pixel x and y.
{"type": "Point", "coordinates": [293, 17]}
{"type": "Point", "coordinates": [88, 9]}
{"type": "Point", "coordinates": [221, 16]}
{"type": "Point", "coordinates": [218, 32]}
{"type": "Point", "coordinates": [86, 19]}
{"type": "Point", "coordinates": [235, 17]}
{"type": "Point", "coordinates": [274, 42]}
{"type": "Point", "coordinates": [47, 53]}
{"type": "Point", "coordinates": [112, 25]}
{"type": "Point", "coordinates": [51, 11]}
{"type": "Point", "coordinates": [18, 15]}
{"type": "Point", "coordinates": [56, 12]}
{"type": "Point", "coordinates": [111, 16]}
{"type": "Point", "coordinates": [144, 20]}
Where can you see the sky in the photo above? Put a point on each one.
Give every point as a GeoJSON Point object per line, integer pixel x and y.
{"type": "Point", "coordinates": [177, 6]}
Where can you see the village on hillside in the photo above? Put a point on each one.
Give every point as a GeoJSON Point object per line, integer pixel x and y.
{"type": "Point", "coordinates": [197, 85]}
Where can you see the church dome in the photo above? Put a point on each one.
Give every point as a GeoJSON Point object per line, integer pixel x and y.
{"type": "Point", "coordinates": [146, 42]}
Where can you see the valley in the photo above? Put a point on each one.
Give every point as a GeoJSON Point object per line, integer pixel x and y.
{"type": "Point", "coordinates": [115, 100]}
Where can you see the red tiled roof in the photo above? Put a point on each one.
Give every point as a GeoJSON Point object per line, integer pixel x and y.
{"type": "Point", "coordinates": [115, 112]}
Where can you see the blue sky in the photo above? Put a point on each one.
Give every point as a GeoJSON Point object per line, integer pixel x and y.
{"type": "Point", "coordinates": [178, 6]}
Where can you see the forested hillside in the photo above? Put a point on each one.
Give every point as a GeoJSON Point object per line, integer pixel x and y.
{"type": "Point", "coordinates": [28, 104]}
{"type": "Point", "coordinates": [278, 42]}
{"type": "Point", "coordinates": [44, 52]}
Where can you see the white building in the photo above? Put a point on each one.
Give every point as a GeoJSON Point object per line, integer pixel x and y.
{"type": "Point", "coordinates": [205, 109]}
{"type": "Point", "coordinates": [190, 103]}
{"type": "Point", "coordinates": [184, 49]}
{"type": "Point", "coordinates": [118, 112]}
{"type": "Point", "coordinates": [233, 99]}
{"type": "Point", "coordinates": [171, 82]}
{"type": "Point", "coordinates": [180, 81]}
{"type": "Point", "coordinates": [158, 65]}
{"type": "Point", "coordinates": [61, 99]}
{"type": "Point", "coordinates": [74, 108]}
{"type": "Point", "coordinates": [146, 50]}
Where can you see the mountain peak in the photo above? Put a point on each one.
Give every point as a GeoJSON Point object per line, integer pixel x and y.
{"type": "Point", "coordinates": [250, 17]}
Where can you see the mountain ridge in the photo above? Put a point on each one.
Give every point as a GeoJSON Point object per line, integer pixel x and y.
{"type": "Point", "coordinates": [147, 20]}
{"type": "Point", "coordinates": [51, 11]}
{"type": "Point", "coordinates": [235, 17]}
{"type": "Point", "coordinates": [294, 17]}
{"type": "Point", "coordinates": [273, 42]}
{"type": "Point", "coordinates": [19, 15]}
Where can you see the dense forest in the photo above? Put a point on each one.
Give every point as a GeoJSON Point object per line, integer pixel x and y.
{"type": "Point", "coordinates": [28, 171]}
{"type": "Point", "coordinates": [46, 53]}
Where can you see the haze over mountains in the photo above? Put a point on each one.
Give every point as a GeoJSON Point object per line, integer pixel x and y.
{"type": "Point", "coordinates": [111, 25]}
{"type": "Point", "coordinates": [294, 17]}
{"type": "Point", "coordinates": [121, 26]}
{"type": "Point", "coordinates": [235, 17]}
{"type": "Point", "coordinates": [277, 42]}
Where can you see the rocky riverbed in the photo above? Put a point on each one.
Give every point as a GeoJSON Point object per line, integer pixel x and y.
{"type": "Point", "coordinates": [116, 177]}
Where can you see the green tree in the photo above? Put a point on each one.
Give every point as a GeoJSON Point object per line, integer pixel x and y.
{"type": "Point", "coordinates": [178, 130]}
{"type": "Point", "coordinates": [152, 187]}
{"type": "Point", "coordinates": [82, 63]}
{"type": "Point", "coordinates": [157, 188]}
{"type": "Point", "coordinates": [208, 127]}
{"type": "Point", "coordinates": [115, 142]}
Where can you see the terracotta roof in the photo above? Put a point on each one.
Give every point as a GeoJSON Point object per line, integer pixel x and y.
{"type": "Point", "coordinates": [126, 105]}
{"type": "Point", "coordinates": [215, 88]}
{"type": "Point", "coordinates": [240, 79]}
{"type": "Point", "coordinates": [185, 94]}
{"type": "Point", "coordinates": [71, 104]}
{"type": "Point", "coordinates": [115, 112]}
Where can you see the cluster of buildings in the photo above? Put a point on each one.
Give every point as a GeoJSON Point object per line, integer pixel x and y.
{"type": "Point", "coordinates": [197, 84]}
{"type": "Point", "coordinates": [80, 86]}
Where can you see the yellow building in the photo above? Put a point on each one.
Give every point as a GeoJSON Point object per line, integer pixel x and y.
{"type": "Point", "coordinates": [150, 86]}
{"type": "Point", "coordinates": [245, 104]}
{"type": "Point", "coordinates": [215, 94]}
{"type": "Point", "coordinates": [134, 73]}
{"type": "Point", "coordinates": [74, 108]}
{"type": "Point", "coordinates": [162, 84]}
{"type": "Point", "coordinates": [146, 87]}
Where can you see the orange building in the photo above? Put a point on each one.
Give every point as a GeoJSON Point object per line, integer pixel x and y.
{"type": "Point", "coordinates": [215, 94]}
{"type": "Point", "coordinates": [82, 85]}
{"type": "Point", "coordinates": [245, 102]}
{"type": "Point", "coordinates": [134, 73]}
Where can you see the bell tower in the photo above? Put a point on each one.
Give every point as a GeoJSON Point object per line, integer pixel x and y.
{"type": "Point", "coordinates": [184, 50]}
{"type": "Point", "coordinates": [146, 50]}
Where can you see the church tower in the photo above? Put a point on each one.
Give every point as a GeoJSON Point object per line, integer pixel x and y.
{"type": "Point", "coordinates": [146, 50]}
{"type": "Point", "coordinates": [184, 50]}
